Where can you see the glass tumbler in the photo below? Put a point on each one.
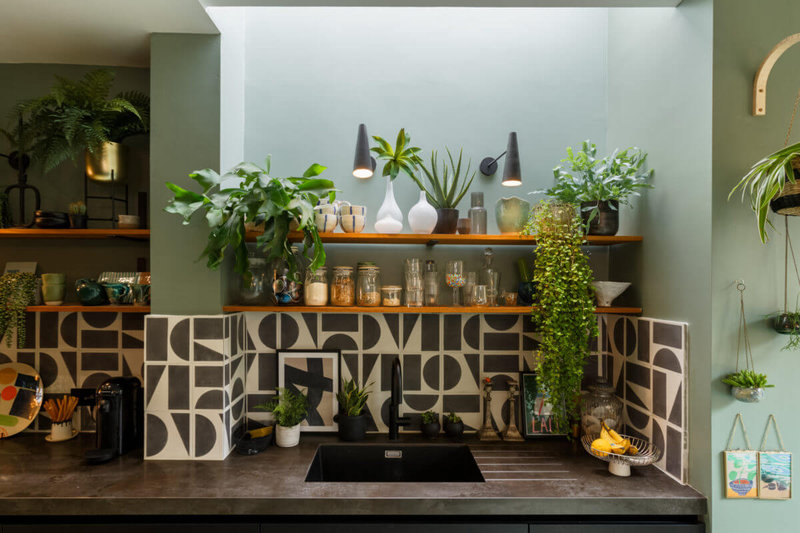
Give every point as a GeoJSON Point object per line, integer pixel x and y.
{"type": "Point", "coordinates": [481, 299]}
{"type": "Point", "coordinates": [414, 284]}
{"type": "Point", "coordinates": [454, 278]}
{"type": "Point", "coordinates": [469, 288]}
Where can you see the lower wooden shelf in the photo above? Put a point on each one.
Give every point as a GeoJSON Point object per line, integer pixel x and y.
{"type": "Point", "coordinates": [499, 310]}
{"type": "Point", "coordinates": [89, 308]}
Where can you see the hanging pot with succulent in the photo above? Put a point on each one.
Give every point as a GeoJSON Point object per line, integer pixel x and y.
{"type": "Point", "coordinates": [17, 291]}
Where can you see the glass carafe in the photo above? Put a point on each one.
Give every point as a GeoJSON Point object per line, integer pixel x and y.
{"type": "Point", "coordinates": [431, 283]}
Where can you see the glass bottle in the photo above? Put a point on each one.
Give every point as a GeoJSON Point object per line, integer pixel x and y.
{"type": "Point", "coordinates": [477, 214]}
{"type": "Point", "coordinates": [598, 405]}
{"type": "Point", "coordinates": [490, 277]}
{"type": "Point", "coordinates": [368, 292]}
{"type": "Point", "coordinates": [431, 283]}
{"type": "Point", "coordinates": [343, 286]}
{"type": "Point", "coordinates": [316, 287]}
{"type": "Point", "coordinates": [414, 284]}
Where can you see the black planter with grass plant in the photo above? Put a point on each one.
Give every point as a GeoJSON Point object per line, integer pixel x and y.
{"type": "Point", "coordinates": [443, 191]}
{"type": "Point", "coordinates": [352, 419]}
{"type": "Point", "coordinates": [430, 424]}
{"type": "Point", "coordinates": [453, 426]}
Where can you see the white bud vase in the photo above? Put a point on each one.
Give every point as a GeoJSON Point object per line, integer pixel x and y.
{"type": "Point", "coordinates": [390, 209]}
{"type": "Point", "coordinates": [422, 217]}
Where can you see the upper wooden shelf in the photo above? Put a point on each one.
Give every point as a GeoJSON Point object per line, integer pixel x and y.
{"type": "Point", "coordinates": [75, 308]}
{"type": "Point", "coordinates": [496, 310]}
{"type": "Point", "coordinates": [433, 239]}
{"type": "Point", "coordinates": [35, 233]}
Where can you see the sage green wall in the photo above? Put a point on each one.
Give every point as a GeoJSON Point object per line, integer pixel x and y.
{"type": "Point", "coordinates": [660, 99]}
{"type": "Point", "coordinates": [744, 32]}
{"type": "Point", "coordinates": [185, 92]}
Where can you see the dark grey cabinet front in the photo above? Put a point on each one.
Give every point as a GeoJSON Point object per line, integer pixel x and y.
{"type": "Point", "coordinates": [394, 528]}
{"type": "Point", "coordinates": [629, 527]}
{"type": "Point", "coordinates": [131, 528]}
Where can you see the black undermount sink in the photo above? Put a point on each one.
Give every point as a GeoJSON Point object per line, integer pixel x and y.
{"type": "Point", "coordinates": [393, 463]}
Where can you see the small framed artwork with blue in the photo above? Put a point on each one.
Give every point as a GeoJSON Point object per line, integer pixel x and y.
{"type": "Point", "coordinates": [537, 412]}
{"type": "Point", "coordinates": [775, 475]}
{"type": "Point", "coordinates": [315, 373]}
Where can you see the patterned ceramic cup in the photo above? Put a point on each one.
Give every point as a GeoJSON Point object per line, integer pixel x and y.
{"type": "Point", "coordinates": [360, 210]}
{"type": "Point", "coordinates": [352, 223]}
{"type": "Point", "coordinates": [61, 430]}
{"type": "Point", "coordinates": [325, 223]}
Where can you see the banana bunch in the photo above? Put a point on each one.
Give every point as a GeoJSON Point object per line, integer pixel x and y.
{"type": "Point", "coordinates": [611, 442]}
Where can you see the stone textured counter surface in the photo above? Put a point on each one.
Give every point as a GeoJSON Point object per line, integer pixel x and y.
{"type": "Point", "coordinates": [533, 478]}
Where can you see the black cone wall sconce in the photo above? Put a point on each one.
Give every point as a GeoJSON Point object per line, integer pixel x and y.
{"type": "Point", "coordinates": [364, 164]}
{"type": "Point", "coordinates": [512, 173]}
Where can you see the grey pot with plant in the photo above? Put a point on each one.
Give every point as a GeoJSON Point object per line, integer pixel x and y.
{"type": "Point", "coordinates": [599, 186]}
{"type": "Point", "coordinates": [747, 385]}
{"type": "Point", "coordinates": [259, 199]}
{"type": "Point", "coordinates": [17, 292]}
{"type": "Point", "coordinates": [453, 426]}
{"type": "Point", "coordinates": [79, 118]}
{"type": "Point", "coordinates": [352, 418]}
{"type": "Point", "coordinates": [447, 183]}
{"type": "Point", "coordinates": [77, 215]}
{"type": "Point", "coordinates": [289, 408]}
{"type": "Point", "coordinates": [430, 424]}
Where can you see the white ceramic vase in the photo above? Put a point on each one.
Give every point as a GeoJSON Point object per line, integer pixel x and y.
{"type": "Point", "coordinates": [287, 437]}
{"type": "Point", "coordinates": [389, 207]}
{"type": "Point", "coordinates": [422, 217]}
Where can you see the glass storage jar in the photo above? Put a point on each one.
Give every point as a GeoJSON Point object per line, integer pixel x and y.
{"type": "Point", "coordinates": [316, 287]}
{"type": "Point", "coordinates": [392, 295]}
{"type": "Point", "coordinates": [368, 292]}
{"type": "Point", "coordinates": [598, 405]}
{"type": "Point", "coordinates": [343, 286]}
{"type": "Point", "coordinates": [254, 292]}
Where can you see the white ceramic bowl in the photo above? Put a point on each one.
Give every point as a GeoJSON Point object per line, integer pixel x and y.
{"type": "Point", "coordinates": [607, 291]}
{"type": "Point", "coordinates": [353, 210]}
{"type": "Point", "coordinates": [352, 223]}
{"type": "Point", "coordinates": [325, 223]}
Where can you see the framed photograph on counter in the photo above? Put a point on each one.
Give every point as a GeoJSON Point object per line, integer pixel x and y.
{"type": "Point", "coordinates": [537, 412]}
{"type": "Point", "coordinates": [315, 373]}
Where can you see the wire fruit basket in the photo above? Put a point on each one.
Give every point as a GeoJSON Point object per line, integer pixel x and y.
{"type": "Point", "coordinates": [620, 465]}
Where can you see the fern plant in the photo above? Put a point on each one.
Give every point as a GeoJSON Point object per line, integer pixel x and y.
{"type": "Point", "coordinates": [16, 293]}
{"type": "Point", "coordinates": [79, 115]}
{"type": "Point", "coordinates": [444, 192]}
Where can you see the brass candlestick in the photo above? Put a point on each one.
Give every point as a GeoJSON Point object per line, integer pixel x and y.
{"type": "Point", "coordinates": [487, 432]}
{"type": "Point", "coordinates": [511, 432]}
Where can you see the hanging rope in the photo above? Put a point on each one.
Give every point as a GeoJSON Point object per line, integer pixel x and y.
{"type": "Point", "coordinates": [743, 337]}
{"type": "Point", "coordinates": [788, 243]}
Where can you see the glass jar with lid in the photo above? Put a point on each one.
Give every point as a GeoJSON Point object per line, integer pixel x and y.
{"type": "Point", "coordinates": [368, 292]}
{"type": "Point", "coordinates": [343, 286]}
{"type": "Point", "coordinates": [392, 295]}
{"type": "Point", "coordinates": [316, 287]}
{"type": "Point", "coordinates": [254, 291]}
{"type": "Point", "coordinates": [599, 405]}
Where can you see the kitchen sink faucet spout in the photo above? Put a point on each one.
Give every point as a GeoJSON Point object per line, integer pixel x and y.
{"type": "Point", "coordinates": [395, 420]}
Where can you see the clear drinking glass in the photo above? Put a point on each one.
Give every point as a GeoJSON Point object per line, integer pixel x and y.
{"type": "Point", "coordinates": [454, 278]}
{"type": "Point", "coordinates": [414, 284]}
{"type": "Point", "coordinates": [469, 288]}
{"type": "Point", "coordinates": [480, 295]}
{"type": "Point", "coordinates": [431, 283]}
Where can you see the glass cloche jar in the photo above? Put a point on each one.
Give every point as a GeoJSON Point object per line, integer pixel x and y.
{"type": "Point", "coordinates": [600, 404]}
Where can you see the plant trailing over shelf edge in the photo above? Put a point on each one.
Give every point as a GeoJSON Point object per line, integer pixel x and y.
{"type": "Point", "coordinates": [79, 115]}
{"type": "Point", "coordinates": [564, 315]}
{"type": "Point", "coordinates": [400, 158]}
{"type": "Point", "coordinates": [289, 408]}
{"type": "Point", "coordinates": [16, 293]}
{"type": "Point", "coordinates": [618, 176]}
{"type": "Point", "coordinates": [258, 199]}
{"type": "Point", "coordinates": [765, 181]}
{"type": "Point", "coordinates": [351, 398]}
{"type": "Point", "coordinates": [747, 379]}
{"type": "Point", "coordinates": [444, 193]}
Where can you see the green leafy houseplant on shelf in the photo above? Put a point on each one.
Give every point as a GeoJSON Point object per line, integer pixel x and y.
{"type": "Point", "coordinates": [772, 184]}
{"type": "Point", "coordinates": [351, 418]}
{"type": "Point", "coordinates": [565, 312]}
{"type": "Point", "coordinates": [259, 199]}
{"type": "Point", "coordinates": [17, 291]}
{"type": "Point", "coordinates": [289, 408]}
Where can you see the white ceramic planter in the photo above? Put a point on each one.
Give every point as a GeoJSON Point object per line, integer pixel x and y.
{"type": "Point", "coordinates": [422, 217]}
{"type": "Point", "coordinates": [287, 437]}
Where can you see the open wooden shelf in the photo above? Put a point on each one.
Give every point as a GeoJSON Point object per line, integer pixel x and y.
{"type": "Point", "coordinates": [35, 233]}
{"type": "Point", "coordinates": [433, 239]}
{"type": "Point", "coordinates": [70, 308]}
{"type": "Point", "coordinates": [499, 310]}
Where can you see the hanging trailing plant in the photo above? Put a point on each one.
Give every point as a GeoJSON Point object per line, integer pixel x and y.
{"type": "Point", "coordinates": [16, 293]}
{"type": "Point", "coordinates": [564, 315]}
{"type": "Point", "coordinates": [5, 211]}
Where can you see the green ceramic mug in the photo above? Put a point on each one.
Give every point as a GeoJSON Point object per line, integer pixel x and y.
{"type": "Point", "coordinates": [53, 288]}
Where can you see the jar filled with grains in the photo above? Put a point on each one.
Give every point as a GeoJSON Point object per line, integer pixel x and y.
{"type": "Point", "coordinates": [316, 287]}
{"type": "Point", "coordinates": [369, 285]}
{"type": "Point", "coordinates": [392, 295]}
{"type": "Point", "coordinates": [343, 287]}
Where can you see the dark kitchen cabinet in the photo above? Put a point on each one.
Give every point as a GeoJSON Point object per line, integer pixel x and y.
{"type": "Point", "coordinates": [411, 527]}
{"type": "Point", "coordinates": [131, 528]}
{"type": "Point", "coordinates": [616, 527]}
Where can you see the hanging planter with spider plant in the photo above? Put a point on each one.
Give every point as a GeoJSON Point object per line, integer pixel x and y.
{"type": "Point", "coordinates": [788, 323]}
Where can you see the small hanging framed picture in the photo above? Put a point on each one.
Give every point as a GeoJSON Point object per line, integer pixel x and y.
{"type": "Point", "coordinates": [537, 412]}
{"type": "Point", "coordinates": [775, 475]}
{"type": "Point", "coordinates": [741, 471]}
{"type": "Point", "coordinates": [315, 373]}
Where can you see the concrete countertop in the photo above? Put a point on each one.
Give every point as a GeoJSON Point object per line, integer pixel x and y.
{"type": "Point", "coordinates": [39, 478]}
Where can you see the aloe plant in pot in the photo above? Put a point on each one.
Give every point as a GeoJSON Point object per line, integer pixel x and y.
{"type": "Point", "coordinates": [352, 419]}
{"type": "Point", "coordinates": [443, 191]}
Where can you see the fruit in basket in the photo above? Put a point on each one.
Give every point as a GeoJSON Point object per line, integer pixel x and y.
{"type": "Point", "coordinates": [613, 442]}
{"type": "Point", "coordinates": [601, 447]}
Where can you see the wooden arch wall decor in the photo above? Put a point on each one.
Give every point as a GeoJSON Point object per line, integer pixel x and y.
{"type": "Point", "coordinates": [760, 83]}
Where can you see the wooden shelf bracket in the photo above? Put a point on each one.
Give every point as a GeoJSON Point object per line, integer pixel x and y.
{"type": "Point", "coordinates": [760, 82]}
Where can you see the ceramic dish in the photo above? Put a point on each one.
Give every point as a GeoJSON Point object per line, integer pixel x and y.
{"type": "Point", "coordinates": [21, 394]}
{"type": "Point", "coordinates": [620, 465]}
{"type": "Point", "coordinates": [49, 438]}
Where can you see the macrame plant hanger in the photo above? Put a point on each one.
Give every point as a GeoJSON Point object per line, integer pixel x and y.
{"type": "Point", "coordinates": [788, 241]}
{"type": "Point", "coordinates": [743, 338]}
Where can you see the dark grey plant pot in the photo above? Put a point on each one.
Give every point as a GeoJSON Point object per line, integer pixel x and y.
{"type": "Point", "coordinates": [605, 221]}
{"type": "Point", "coordinates": [447, 222]}
{"type": "Point", "coordinates": [77, 221]}
{"type": "Point", "coordinates": [431, 430]}
{"type": "Point", "coordinates": [352, 428]}
{"type": "Point", "coordinates": [454, 430]}
{"type": "Point", "coordinates": [526, 291]}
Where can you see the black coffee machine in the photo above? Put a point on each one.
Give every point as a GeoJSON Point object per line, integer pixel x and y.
{"type": "Point", "coordinates": [119, 413]}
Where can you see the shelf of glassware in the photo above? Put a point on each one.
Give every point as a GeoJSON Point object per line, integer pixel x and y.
{"type": "Point", "coordinates": [498, 310]}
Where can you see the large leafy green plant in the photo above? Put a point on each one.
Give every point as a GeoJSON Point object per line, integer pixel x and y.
{"type": "Point", "coordinates": [765, 181]}
{"type": "Point", "coordinates": [289, 408]}
{"type": "Point", "coordinates": [564, 314]}
{"type": "Point", "coordinates": [16, 293]}
{"type": "Point", "coordinates": [443, 191]}
{"type": "Point", "coordinates": [258, 199]}
{"type": "Point", "coordinates": [585, 178]}
{"type": "Point", "coordinates": [78, 115]}
{"type": "Point", "coordinates": [399, 158]}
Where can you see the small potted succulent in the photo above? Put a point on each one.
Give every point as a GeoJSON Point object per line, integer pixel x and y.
{"type": "Point", "coordinates": [443, 191]}
{"type": "Point", "coordinates": [77, 215]}
{"type": "Point", "coordinates": [430, 424]}
{"type": "Point", "coordinates": [747, 386]}
{"type": "Point", "coordinates": [289, 409]}
{"type": "Point", "coordinates": [453, 426]}
{"type": "Point", "coordinates": [352, 419]}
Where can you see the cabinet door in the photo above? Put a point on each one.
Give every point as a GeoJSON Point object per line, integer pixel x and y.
{"type": "Point", "coordinates": [130, 528]}
{"type": "Point", "coordinates": [394, 528]}
{"type": "Point", "coordinates": [626, 527]}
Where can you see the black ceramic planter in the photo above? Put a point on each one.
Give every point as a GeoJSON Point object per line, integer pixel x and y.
{"type": "Point", "coordinates": [605, 221]}
{"type": "Point", "coordinates": [526, 292]}
{"type": "Point", "coordinates": [77, 221]}
{"type": "Point", "coordinates": [454, 430]}
{"type": "Point", "coordinates": [431, 430]}
{"type": "Point", "coordinates": [447, 222]}
{"type": "Point", "coordinates": [786, 324]}
{"type": "Point", "coordinates": [352, 428]}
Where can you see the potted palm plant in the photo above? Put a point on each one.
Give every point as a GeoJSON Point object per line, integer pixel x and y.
{"type": "Point", "coordinates": [430, 424]}
{"type": "Point", "coordinates": [80, 118]}
{"type": "Point", "coordinates": [289, 409]}
{"type": "Point", "coordinates": [402, 157]}
{"type": "Point", "coordinates": [772, 185]}
{"type": "Point", "coordinates": [599, 186]}
{"type": "Point", "coordinates": [352, 419]}
{"type": "Point", "coordinates": [443, 190]}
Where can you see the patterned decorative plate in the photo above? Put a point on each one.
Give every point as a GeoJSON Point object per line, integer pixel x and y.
{"type": "Point", "coordinates": [21, 395]}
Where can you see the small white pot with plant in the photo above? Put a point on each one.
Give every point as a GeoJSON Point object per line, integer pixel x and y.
{"type": "Point", "coordinates": [289, 410]}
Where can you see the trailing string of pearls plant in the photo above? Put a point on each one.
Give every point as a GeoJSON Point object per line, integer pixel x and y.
{"type": "Point", "coordinates": [16, 293]}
